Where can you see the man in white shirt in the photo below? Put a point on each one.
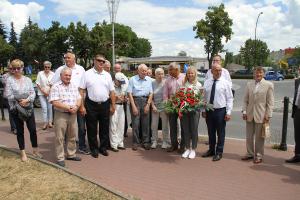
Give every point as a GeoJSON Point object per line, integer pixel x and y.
{"type": "Point", "coordinates": [77, 73]}
{"type": "Point", "coordinates": [217, 59]}
{"type": "Point", "coordinates": [218, 93]}
{"type": "Point", "coordinates": [99, 103]}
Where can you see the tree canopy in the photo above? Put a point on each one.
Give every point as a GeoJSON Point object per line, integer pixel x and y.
{"type": "Point", "coordinates": [36, 44]}
{"type": "Point", "coordinates": [252, 48]}
{"type": "Point", "coordinates": [212, 29]}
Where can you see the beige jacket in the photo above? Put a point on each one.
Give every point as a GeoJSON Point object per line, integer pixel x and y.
{"type": "Point", "coordinates": [259, 103]}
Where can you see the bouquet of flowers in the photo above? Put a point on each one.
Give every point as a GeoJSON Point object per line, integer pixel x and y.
{"type": "Point", "coordinates": [186, 100]}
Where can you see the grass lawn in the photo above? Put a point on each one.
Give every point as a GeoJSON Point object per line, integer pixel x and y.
{"type": "Point", "coordinates": [36, 180]}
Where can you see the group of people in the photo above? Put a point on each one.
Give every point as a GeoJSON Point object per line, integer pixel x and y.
{"type": "Point", "coordinates": [93, 103]}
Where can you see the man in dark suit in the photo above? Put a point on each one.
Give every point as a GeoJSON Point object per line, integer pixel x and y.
{"type": "Point", "coordinates": [296, 116]}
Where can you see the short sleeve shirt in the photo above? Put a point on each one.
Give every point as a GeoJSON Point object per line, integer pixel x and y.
{"type": "Point", "coordinates": [140, 87]}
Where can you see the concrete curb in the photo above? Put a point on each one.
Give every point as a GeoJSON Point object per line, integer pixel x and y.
{"type": "Point", "coordinates": [104, 187]}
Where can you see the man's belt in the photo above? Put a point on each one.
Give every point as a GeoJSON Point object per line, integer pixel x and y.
{"type": "Point", "coordinates": [136, 97]}
{"type": "Point", "coordinates": [97, 103]}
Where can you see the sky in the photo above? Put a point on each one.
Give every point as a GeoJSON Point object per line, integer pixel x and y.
{"type": "Point", "coordinates": [168, 24]}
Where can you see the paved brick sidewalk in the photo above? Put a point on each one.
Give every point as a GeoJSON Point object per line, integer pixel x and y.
{"type": "Point", "coordinates": [156, 174]}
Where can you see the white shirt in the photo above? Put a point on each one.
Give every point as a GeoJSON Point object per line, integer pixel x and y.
{"type": "Point", "coordinates": [223, 94]}
{"type": "Point", "coordinates": [98, 85]}
{"type": "Point", "coordinates": [196, 87]}
{"type": "Point", "coordinates": [225, 74]}
{"type": "Point", "coordinates": [77, 73]}
{"type": "Point", "coordinates": [44, 81]}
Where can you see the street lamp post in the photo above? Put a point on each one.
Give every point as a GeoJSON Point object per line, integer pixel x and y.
{"type": "Point", "coordinates": [112, 8]}
{"type": "Point", "coordinates": [255, 38]}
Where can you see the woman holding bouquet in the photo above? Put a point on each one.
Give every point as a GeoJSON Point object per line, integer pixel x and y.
{"type": "Point", "coordinates": [190, 119]}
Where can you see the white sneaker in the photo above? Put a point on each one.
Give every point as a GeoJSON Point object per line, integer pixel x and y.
{"type": "Point", "coordinates": [153, 146]}
{"type": "Point", "coordinates": [186, 153]}
{"type": "Point", "coordinates": [165, 145]}
{"type": "Point", "coordinates": [192, 155]}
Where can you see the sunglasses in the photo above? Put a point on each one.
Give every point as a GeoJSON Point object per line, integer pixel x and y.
{"type": "Point", "coordinates": [16, 68]}
{"type": "Point", "coordinates": [100, 61]}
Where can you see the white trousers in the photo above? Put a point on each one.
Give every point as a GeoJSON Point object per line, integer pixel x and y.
{"type": "Point", "coordinates": [116, 127]}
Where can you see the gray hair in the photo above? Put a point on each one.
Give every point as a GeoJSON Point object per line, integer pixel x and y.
{"type": "Point", "coordinates": [157, 70]}
{"type": "Point", "coordinates": [47, 63]}
{"type": "Point", "coordinates": [142, 66]}
{"type": "Point", "coordinates": [64, 70]}
{"type": "Point", "coordinates": [107, 62]}
{"type": "Point", "coordinates": [174, 65]}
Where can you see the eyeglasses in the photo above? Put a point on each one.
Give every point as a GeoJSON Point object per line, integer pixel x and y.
{"type": "Point", "coordinates": [47, 67]}
{"type": "Point", "coordinates": [16, 68]}
{"type": "Point", "coordinates": [100, 61]}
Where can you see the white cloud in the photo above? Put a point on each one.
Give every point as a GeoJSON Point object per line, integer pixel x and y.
{"type": "Point", "coordinates": [19, 13]}
{"type": "Point", "coordinates": [207, 2]}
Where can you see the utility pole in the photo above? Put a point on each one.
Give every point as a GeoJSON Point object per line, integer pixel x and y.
{"type": "Point", "coordinates": [255, 38]}
{"type": "Point", "coordinates": [112, 8]}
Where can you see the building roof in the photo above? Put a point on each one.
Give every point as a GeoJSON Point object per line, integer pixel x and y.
{"type": "Point", "coordinates": [160, 59]}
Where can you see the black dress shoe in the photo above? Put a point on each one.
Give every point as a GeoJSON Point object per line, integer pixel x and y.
{"type": "Point", "coordinates": [181, 150]}
{"type": "Point", "coordinates": [114, 150]}
{"type": "Point", "coordinates": [104, 152]}
{"type": "Point", "coordinates": [134, 147]}
{"type": "Point", "coordinates": [94, 154]}
{"type": "Point", "coordinates": [217, 157]}
{"type": "Point", "coordinates": [246, 158]}
{"type": "Point", "coordinates": [74, 158]}
{"type": "Point", "coordinates": [172, 148]}
{"type": "Point", "coordinates": [146, 146]}
{"type": "Point", "coordinates": [209, 153]}
{"type": "Point", "coordinates": [61, 163]}
{"type": "Point", "coordinates": [294, 159]}
{"type": "Point", "coordinates": [122, 148]}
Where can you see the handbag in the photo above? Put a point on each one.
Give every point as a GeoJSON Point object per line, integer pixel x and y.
{"type": "Point", "coordinates": [266, 133]}
{"type": "Point", "coordinates": [24, 113]}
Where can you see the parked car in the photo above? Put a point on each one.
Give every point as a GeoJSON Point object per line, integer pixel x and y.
{"type": "Point", "coordinates": [242, 72]}
{"type": "Point", "coordinates": [274, 76]}
{"type": "Point", "coordinates": [201, 77]}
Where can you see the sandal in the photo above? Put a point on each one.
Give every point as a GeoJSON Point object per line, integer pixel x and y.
{"type": "Point", "coordinates": [50, 125]}
{"type": "Point", "coordinates": [257, 160]}
{"type": "Point", "coordinates": [45, 127]}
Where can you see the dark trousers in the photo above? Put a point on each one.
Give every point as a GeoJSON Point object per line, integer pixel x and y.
{"type": "Point", "coordinates": [11, 119]}
{"type": "Point", "coordinates": [81, 131]}
{"type": "Point", "coordinates": [126, 123]}
{"type": "Point", "coordinates": [30, 123]}
{"type": "Point", "coordinates": [97, 114]}
{"type": "Point", "coordinates": [297, 132]}
{"type": "Point", "coordinates": [140, 122]}
{"type": "Point", "coordinates": [190, 123]}
{"type": "Point", "coordinates": [174, 129]}
{"type": "Point", "coordinates": [216, 124]}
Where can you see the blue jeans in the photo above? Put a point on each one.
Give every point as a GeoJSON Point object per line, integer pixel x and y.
{"type": "Point", "coordinates": [46, 109]}
{"type": "Point", "coordinates": [216, 125]}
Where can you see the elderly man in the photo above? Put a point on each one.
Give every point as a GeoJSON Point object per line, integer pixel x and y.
{"type": "Point", "coordinates": [77, 73]}
{"type": "Point", "coordinates": [99, 103]}
{"type": "Point", "coordinates": [217, 59]}
{"type": "Point", "coordinates": [118, 68]}
{"type": "Point", "coordinates": [296, 117]}
{"type": "Point", "coordinates": [218, 93]}
{"type": "Point", "coordinates": [140, 97]}
{"type": "Point", "coordinates": [107, 66]}
{"type": "Point", "coordinates": [66, 100]}
{"type": "Point", "coordinates": [173, 82]}
{"type": "Point", "coordinates": [257, 110]}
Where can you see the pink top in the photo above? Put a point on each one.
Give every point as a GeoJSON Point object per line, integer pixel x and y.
{"type": "Point", "coordinates": [171, 85]}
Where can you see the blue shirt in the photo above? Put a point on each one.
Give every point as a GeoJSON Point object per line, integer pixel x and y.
{"type": "Point", "coordinates": [140, 87]}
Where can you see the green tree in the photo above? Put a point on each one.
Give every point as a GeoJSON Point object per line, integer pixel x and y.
{"type": "Point", "coordinates": [182, 53]}
{"type": "Point", "coordinates": [6, 51]}
{"type": "Point", "coordinates": [228, 58]}
{"type": "Point", "coordinates": [296, 55]}
{"type": "Point", "coordinates": [80, 40]}
{"type": "Point", "coordinates": [2, 30]}
{"type": "Point", "coordinates": [32, 43]}
{"type": "Point", "coordinates": [56, 43]}
{"type": "Point", "coordinates": [13, 40]}
{"type": "Point", "coordinates": [248, 53]}
{"type": "Point", "coordinates": [141, 48]}
{"type": "Point", "coordinates": [212, 29]}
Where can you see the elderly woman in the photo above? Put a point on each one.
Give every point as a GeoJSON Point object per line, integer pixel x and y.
{"type": "Point", "coordinates": [190, 120]}
{"type": "Point", "coordinates": [43, 83]}
{"type": "Point", "coordinates": [20, 95]}
{"type": "Point", "coordinates": [158, 111]}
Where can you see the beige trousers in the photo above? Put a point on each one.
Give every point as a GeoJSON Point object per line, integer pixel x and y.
{"type": "Point", "coordinates": [255, 143]}
{"type": "Point", "coordinates": [65, 125]}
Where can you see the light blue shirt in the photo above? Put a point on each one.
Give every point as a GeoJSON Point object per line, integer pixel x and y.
{"type": "Point", "coordinates": [140, 87]}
